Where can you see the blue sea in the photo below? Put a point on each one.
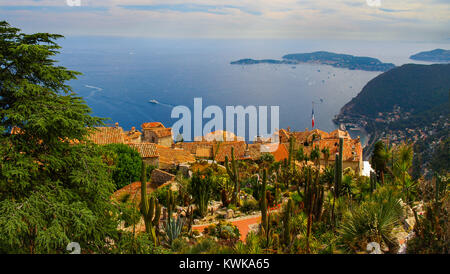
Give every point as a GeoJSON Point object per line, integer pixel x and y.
{"type": "Point", "coordinates": [121, 75]}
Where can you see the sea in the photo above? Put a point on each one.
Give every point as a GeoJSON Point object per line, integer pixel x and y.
{"type": "Point", "coordinates": [121, 77]}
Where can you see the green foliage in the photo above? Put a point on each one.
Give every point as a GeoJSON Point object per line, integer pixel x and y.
{"type": "Point", "coordinates": [267, 157]}
{"type": "Point", "coordinates": [200, 189]}
{"type": "Point", "coordinates": [142, 243]}
{"type": "Point", "coordinates": [223, 230]}
{"type": "Point", "coordinates": [431, 229]}
{"type": "Point", "coordinates": [55, 186]}
{"type": "Point", "coordinates": [173, 228]}
{"type": "Point", "coordinates": [372, 221]}
{"type": "Point", "coordinates": [379, 160]}
{"type": "Point", "coordinates": [150, 208]}
{"type": "Point", "coordinates": [233, 173]}
{"type": "Point", "coordinates": [127, 164]}
{"type": "Point", "coordinates": [249, 205]}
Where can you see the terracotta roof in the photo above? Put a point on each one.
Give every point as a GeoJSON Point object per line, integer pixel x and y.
{"type": "Point", "coordinates": [194, 147]}
{"type": "Point", "coordinates": [162, 132]}
{"type": "Point", "coordinates": [350, 146]}
{"type": "Point", "coordinates": [132, 136]}
{"type": "Point", "coordinates": [339, 134]}
{"type": "Point", "coordinates": [146, 150]}
{"type": "Point", "coordinates": [280, 153]}
{"type": "Point", "coordinates": [134, 189]}
{"type": "Point", "coordinates": [107, 135]}
{"type": "Point", "coordinates": [152, 125]}
{"type": "Point", "coordinates": [168, 155]}
{"type": "Point", "coordinates": [221, 135]}
{"type": "Point", "coordinates": [203, 152]}
{"type": "Point", "coordinates": [225, 150]}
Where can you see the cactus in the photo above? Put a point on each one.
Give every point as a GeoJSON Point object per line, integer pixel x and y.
{"type": "Point", "coordinates": [190, 218]}
{"type": "Point", "coordinates": [233, 173]}
{"type": "Point", "coordinates": [150, 208]}
{"type": "Point", "coordinates": [263, 202]}
{"type": "Point", "coordinates": [201, 191]}
{"type": "Point", "coordinates": [291, 151]}
{"type": "Point", "coordinates": [339, 166]}
{"type": "Point", "coordinates": [373, 181]}
{"type": "Point", "coordinates": [224, 197]}
{"type": "Point", "coordinates": [287, 214]}
{"type": "Point", "coordinates": [170, 202]}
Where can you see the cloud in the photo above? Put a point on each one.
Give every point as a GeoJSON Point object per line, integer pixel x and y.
{"type": "Point", "coordinates": [222, 10]}
{"type": "Point", "coordinates": [355, 19]}
{"type": "Point", "coordinates": [38, 8]}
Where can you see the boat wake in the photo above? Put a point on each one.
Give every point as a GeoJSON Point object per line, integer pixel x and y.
{"type": "Point", "coordinates": [95, 89]}
{"type": "Point", "coordinates": [156, 102]}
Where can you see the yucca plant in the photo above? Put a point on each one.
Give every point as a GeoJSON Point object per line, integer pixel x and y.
{"type": "Point", "coordinates": [371, 221]}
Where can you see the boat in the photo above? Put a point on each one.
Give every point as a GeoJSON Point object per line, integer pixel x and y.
{"type": "Point", "coordinates": [153, 101]}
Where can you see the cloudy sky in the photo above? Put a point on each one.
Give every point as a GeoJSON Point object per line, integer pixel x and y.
{"type": "Point", "coordinates": [413, 20]}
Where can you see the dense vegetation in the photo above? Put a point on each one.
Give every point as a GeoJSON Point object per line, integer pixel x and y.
{"type": "Point", "coordinates": [127, 164]}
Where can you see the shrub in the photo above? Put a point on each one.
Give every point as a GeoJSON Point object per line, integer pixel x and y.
{"type": "Point", "coordinates": [249, 205]}
{"type": "Point", "coordinates": [371, 221]}
{"type": "Point", "coordinates": [127, 164]}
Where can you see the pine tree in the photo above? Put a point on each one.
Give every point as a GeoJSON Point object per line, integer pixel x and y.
{"type": "Point", "coordinates": [55, 186]}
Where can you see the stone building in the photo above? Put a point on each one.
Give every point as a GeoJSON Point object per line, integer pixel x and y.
{"type": "Point", "coordinates": [156, 132]}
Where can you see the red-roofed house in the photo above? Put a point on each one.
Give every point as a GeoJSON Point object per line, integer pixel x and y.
{"type": "Point", "coordinates": [155, 132]}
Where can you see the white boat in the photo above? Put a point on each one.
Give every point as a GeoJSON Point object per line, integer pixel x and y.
{"type": "Point", "coordinates": [153, 101]}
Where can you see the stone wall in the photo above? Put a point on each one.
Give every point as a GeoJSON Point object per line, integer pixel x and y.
{"type": "Point", "coordinates": [160, 177]}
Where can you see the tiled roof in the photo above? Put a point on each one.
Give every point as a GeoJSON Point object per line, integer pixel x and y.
{"type": "Point", "coordinates": [168, 155]}
{"type": "Point", "coordinates": [203, 152]}
{"type": "Point", "coordinates": [339, 134]}
{"type": "Point", "coordinates": [132, 136]}
{"type": "Point", "coordinates": [279, 151]}
{"type": "Point", "coordinates": [222, 135]}
{"type": "Point", "coordinates": [350, 146]}
{"type": "Point", "coordinates": [225, 150]}
{"type": "Point", "coordinates": [162, 132]}
{"type": "Point", "coordinates": [107, 135]}
{"type": "Point", "coordinates": [152, 125]}
{"type": "Point", "coordinates": [193, 147]}
{"type": "Point", "coordinates": [146, 150]}
{"type": "Point", "coordinates": [134, 189]}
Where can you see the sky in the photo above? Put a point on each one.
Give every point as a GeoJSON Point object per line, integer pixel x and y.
{"type": "Point", "coordinates": [399, 20]}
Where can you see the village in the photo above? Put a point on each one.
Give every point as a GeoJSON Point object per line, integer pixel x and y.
{"type": "Point", "coordinates": [156, 146]}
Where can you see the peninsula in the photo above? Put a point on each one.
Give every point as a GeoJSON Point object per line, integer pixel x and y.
{"type": "Point", "coordinates": [325, 58]}
{"type": "Point", "coordinates": [437, 55]}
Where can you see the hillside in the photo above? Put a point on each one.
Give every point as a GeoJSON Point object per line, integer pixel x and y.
{"type": "Point", "coordinates": [412, 87]}
{"type": "Point", "coordinates": [410, 103]}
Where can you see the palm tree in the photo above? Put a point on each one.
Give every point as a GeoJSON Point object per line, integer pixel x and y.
{"type": "Point", "coordinates": [380, 157]}
{"type": "Point", "coordinates": [402, 165]}
{"type": "Point", "coordinates": [315, 156]}
{"type": "Point", "coordinates": [326, 155]}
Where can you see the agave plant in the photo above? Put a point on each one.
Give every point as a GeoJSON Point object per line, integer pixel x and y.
{"type": "Point", "coordinates": [173, 228]}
